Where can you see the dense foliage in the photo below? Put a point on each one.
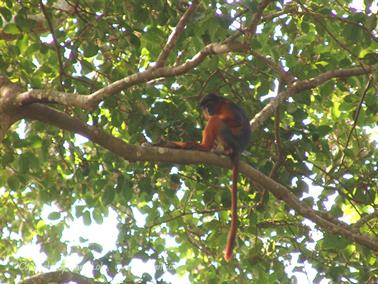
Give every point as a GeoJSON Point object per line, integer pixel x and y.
{"type": "Point", "coordinates": [318, 143]}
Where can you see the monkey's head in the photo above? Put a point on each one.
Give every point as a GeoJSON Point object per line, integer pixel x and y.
{"type": "Point", "coordinates": [209, 104]}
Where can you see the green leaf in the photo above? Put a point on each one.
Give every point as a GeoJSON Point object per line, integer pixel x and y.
{"type": "Point", "coordinates": [333, 242]}
{"type": "Point", "coordinates": [145, 185]}
{"type": "Point", "coordinates": [27, 162]}
{"type": "Point", "coordinates": [41, 227]}
{"type": "Point", "coordinates": [96, 247]}
{"type": "Point", "coordinates": [23, 22]}
{"type": "Point", "coordinates": [79, 209]}
{"type": "Point", "coordinates": [324, 130]}
{"type": "Point", "coordinates": [12, 29]}
{"type": "Point", "coordinates": [13, 182]}
{"type": "Point", "coordinates": [7, 14]}
{"type": "Point", "coordinates": [97, 216]}
{"type": "Point", "coordinates": [87, 218]}
{"type": "Point", "coordinates": [352, 32]}
{"type": "Point", "coordinates": [54, 215]}
{"type": "Point", "coordinates": [90, 50]}
{"type": "Point", "coordinates": [135, 40]}
{"type": "Point", "coordinates": [371, 22]}
{"type": "Point", "coordinates": [108, 196]}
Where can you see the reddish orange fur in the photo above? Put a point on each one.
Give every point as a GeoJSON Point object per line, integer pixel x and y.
{"type": "Point", "coordinates": [224, 115]}
{"type": "Point", "coordinates": [234, 217]}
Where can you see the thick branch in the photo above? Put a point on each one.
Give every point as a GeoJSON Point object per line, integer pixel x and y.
{"type": "Point", "coordinates": [303, 85]}
{"type": "Point", "coordinates": [135, 153]}
{"type": "Point", "coordinates": [173, 38]}
{"type": "Point", "coordinates": [58, 277]}
{"type": "Point", "coordinates": [51, 96]}
{"type": "Point", "coordinates": [6, 121]}
{"type": "Point", "coordinates": [8, 92]}
{"type": "Point", "coordinates": [12, 96]}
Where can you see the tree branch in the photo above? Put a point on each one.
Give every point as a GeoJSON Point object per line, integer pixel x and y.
{"type": "Point", "coordinates": [358, 110]}
{"type": "Point", "coordinates": [90, 101]}
{"type": "Point", "coordinates": [51, 96]}
{"type": "Point", "coordinates": [6, 121]}
{"type": "Point", "coordinates": [153, 73]}
{"type": "Point", "coordinates": [177, 31]}
{"type": "Point", "coordinates": [277, 68]}
{"type": "Point", "coordinates": [135, 153]}
{"type": "Point", "coordinates": [303, 85]}
{"type": "Point", "coordinates": [12, 96]}
{"type": "Point", "coordinates": [366, 218]}
{"type": "Point", "coordinates": [58, 277]}
{"type": "Point", "coordinates": [55, 41]}
{"type": "Point", "coordinates": [257, 18]}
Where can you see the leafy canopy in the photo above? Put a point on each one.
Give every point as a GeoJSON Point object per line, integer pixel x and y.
{"type": "Point", "coordinates": [319, 143]}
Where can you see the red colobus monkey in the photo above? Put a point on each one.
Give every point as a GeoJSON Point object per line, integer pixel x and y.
{"type": "Point", "coordinates": [227, 131]}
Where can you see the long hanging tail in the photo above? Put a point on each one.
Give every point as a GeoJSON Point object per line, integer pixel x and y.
{"type": "Point", "coordinates": [234, 216]}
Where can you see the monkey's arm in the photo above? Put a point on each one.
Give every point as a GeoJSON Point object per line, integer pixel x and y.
{"type": "Point", "coordinates": [209, 136]}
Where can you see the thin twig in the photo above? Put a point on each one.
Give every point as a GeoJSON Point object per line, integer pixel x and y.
{"type": "Point", "coordinates": [177, 31]}
{"type": "Point", "coordinates": [56, 43]}
{"type": "Point", "coordinates": [365, 219]}
{"type": "Point", "coordinates": [357, 113]}
{"type": "Point", "coordinates": [256, 19]}
{"type": "Point", "coordinates": [277, 68]}
{"type": "Point", "coordinates": [277, 142]}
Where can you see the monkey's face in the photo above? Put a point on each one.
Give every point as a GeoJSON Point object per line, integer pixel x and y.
{"type": "Point", "coordinates": [210, 103]}
{"type": "Point", "coordinates": [205, 113]}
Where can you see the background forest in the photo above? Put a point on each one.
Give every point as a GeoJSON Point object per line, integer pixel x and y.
{"type": "Point", "coordinates": [85, 84]}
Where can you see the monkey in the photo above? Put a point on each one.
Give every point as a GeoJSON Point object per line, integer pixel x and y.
{"type": "Point", "coordinates": [227, 131]}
